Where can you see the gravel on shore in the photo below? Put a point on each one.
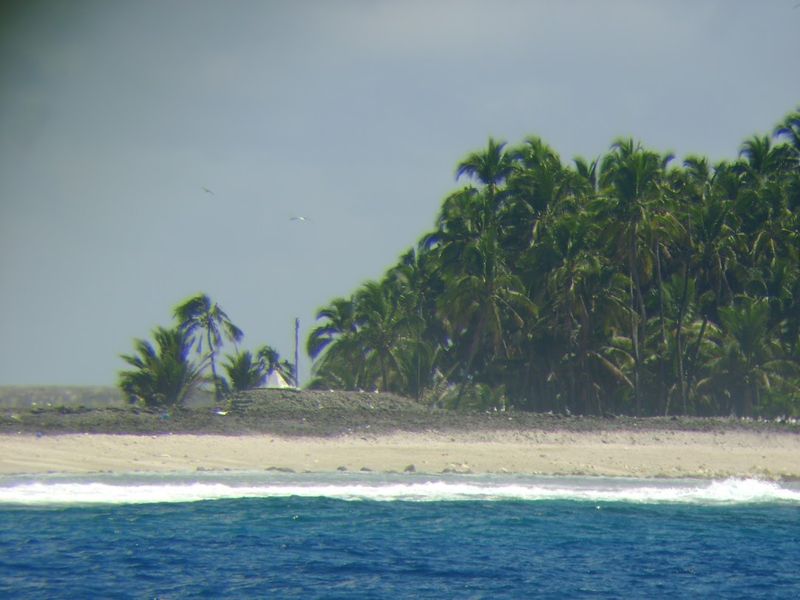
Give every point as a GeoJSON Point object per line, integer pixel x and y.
{"type": "Point", "coordinates": [308, 413]}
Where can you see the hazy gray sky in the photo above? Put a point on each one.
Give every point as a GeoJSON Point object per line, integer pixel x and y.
{"type": "Point", "coordinates": [114, 115]}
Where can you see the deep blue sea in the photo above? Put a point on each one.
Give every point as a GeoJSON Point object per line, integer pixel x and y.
{"type": "Point", "coordinates": [272, 535]}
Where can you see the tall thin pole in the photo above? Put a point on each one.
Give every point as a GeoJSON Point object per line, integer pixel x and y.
{"type": "Point", "coordinates": [296, 352]}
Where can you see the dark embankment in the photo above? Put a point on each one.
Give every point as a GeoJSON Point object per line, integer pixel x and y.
{"type": "Point", "coordinates": [307, 413]}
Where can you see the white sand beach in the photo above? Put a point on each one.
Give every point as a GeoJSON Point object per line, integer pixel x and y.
{"type": "Point", "coordinates": [673, 454]}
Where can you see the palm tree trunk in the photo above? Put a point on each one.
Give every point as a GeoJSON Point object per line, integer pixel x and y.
{"type": "Point", "coordinates": [679, 337]}
{"type": "Point", "coordinates": [662, 384]}
{"type": "Point", "coordinates": [636, 328]}
{"type": "Point", "coordinates": [690, 369]}
{"type": "Point", "coordinates": [213, 366]}
{"type": "Point", "coordinates": [473, 351]}
{"type": "Point", "coordinates": [384, 374]}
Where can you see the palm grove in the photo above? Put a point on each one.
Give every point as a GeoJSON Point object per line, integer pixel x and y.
{"type": "Point", "coordinates": [628, 284]}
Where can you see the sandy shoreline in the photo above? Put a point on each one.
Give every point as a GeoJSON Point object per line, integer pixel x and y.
{"type": "Point", "coordinates": [630, 454]}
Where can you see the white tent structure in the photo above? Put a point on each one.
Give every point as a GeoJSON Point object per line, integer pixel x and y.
{"type": "Point", "coordinates": [276, 380]}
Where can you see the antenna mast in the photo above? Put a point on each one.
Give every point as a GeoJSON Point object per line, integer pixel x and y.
{"type": "Point", "coordinates": [296, 353]}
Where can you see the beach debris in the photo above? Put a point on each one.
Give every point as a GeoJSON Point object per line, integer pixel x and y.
{"type": "Point", "coordinates": [462, 469]}
{"type": "Point", "coordinates": [280, 469]}
{"type": "Point", "coordinates": [410, 469]}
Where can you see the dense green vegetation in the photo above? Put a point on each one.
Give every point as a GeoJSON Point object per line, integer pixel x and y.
{"type": "Point", "coordinates": [166, 373]}
{"type": "Point", "coordinates": [633, 284]}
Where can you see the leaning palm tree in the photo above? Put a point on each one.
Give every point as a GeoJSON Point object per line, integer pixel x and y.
{"type": "Point", "coordinates": [162, 375]}
{"type": "Point", "coordinates": [201, 318]}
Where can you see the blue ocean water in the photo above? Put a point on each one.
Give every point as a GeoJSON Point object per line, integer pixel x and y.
{"type": "Point", "coordinates": [401, 536]}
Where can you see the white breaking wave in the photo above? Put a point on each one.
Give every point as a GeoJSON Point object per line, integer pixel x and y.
{"type": "Point", "coordinates": [731, 491]}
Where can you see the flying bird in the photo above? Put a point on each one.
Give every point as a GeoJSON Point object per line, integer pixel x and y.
{"type": "Point", "coordinates": [207, 191]}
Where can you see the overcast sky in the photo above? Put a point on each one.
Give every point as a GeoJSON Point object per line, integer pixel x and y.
{"type": "Point", "coordinates": [115, 115]}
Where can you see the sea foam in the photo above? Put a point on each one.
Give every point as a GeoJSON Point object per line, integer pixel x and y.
{"type": "Point", "coordinates": [142, 490]}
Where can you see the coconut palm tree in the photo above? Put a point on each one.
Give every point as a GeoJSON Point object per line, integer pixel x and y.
{"type": "Point", "coordinates": [583, 301]}
{"type": "Point", "coordinates": [538, 177]}
{"type": "Point", "coordinates": [587, 173]}
{"type": "Point", "coordinates": [418, 286]}
{"type": "Point", "coordinates": [163, 375]}
{"type": "Point", "coordinates": [204, 321]}
{"type": "Point", "coordinates": [631, 176]}
{"type": "Point", "coordinates": [539, 183]}
{"type": "Point", "coordinates": [789, 128]}
{"type": "Point", "coordinates": [490, 167]}
{"type": "Point", "coordinates": [338, 321]}
{"type": "Point", "coordinates": [483, 300]}
{"type": "Point", "coordinates": [382, 325]}
{"type": "Point", "coordinates": [244, 372]}
{"type": "Point", "coordinates": [334, 348]}
{"type": "Point", "coordinates": [761, 157]}
{"type": "Point", "coordinates": [749, 360]}
{"type": "Point", "coordinates": [271, 361]}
